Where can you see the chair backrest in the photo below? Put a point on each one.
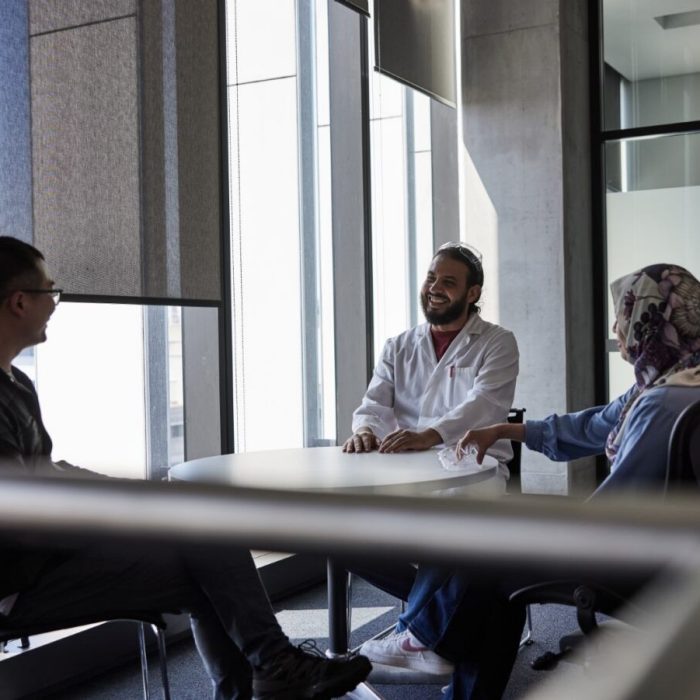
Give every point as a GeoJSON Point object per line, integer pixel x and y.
{"type": "Point", "coordinates": [515, 415]}
{"type": "Point", "coordinates": [683, 461]}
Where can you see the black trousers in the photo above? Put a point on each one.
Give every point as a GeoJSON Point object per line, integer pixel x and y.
{"type": "Point", "coordinates": [232, 621]}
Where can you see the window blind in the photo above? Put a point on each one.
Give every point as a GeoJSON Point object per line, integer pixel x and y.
{"type": "Point", "coordinates": [125, 146]}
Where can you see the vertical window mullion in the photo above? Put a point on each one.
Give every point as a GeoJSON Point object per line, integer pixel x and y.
{"type": "Point", "coordinates": [351, 213]}
{"type": "Point", "coordinates": [308, 223]}
{"type": "Point", "coordinates": [411, 228]}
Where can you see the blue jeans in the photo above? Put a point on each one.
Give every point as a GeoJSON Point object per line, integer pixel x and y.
{"type": "Point", "coordinates": [465, 619]}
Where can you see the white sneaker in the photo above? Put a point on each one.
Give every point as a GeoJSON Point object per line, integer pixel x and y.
{"type": "Point", "coordinates": [404, 650]}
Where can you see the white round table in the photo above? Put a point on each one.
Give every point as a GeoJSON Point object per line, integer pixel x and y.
{"type": "Point", "coordinates": [331, 469]}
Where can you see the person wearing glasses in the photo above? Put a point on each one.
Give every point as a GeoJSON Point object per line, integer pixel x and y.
{"type": "Point", "coordinates": [431, 383]}
{"type": "Point", "coordinates": [241, 644]}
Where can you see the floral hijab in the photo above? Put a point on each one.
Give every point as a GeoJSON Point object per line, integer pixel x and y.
{"type": "Point", "coordinates": [658, 310]}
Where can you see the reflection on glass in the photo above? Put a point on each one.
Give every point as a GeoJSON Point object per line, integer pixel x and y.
{"type": "Point", "coordinates": [654, 218]}
{"type": "Point", "coordinates": [652, 63]}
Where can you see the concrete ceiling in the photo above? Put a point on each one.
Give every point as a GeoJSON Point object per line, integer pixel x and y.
{"type": "Point", "coordinates": [639, 48]}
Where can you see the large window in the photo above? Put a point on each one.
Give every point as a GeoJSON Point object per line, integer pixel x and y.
{"type": "Point", "coordinates": [109, 154]}
{"type": "Point", "coordinates": [280, 223]}
{"type": "Point", "coordinates": [281, 217]}
{"type": "Point", "coordinates": [650, 143]}
{"type": "Point", "coordinates": [652, 63]}
{"type": "Point", "coordinates": [92, 377]}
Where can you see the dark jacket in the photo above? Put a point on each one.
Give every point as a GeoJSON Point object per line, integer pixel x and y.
{"type": "Point", "coordinates": [24, 442]}
{"type": "Point", "coordinates": [25, 449]}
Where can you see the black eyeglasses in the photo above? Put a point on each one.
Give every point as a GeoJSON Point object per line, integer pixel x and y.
{"type": "Point", "coordinates": [470, 255]}
{"type": "Point", "coordinates": [55, 293]}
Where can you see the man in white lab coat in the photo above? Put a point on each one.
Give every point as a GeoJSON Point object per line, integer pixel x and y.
{"type": "Point", "coordinates": [431, 383]}
{"type": "Point", "coordinates": [454, 372]}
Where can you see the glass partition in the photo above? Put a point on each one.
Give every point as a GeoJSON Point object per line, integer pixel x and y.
{"type": "Point", "coordinates": [652, 63]}
{"type": "Point", "coordinates": [653, 204]}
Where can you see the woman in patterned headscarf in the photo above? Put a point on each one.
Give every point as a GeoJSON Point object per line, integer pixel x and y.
{"type": "Point", "coordinates": [657, 323]}
{"type": "Point", "coordinates": [658, 328]}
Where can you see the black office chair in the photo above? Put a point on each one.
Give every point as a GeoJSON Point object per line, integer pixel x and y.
{"type": "Point", "coordinates": [514, 486]}
{"type": "Point", "coordinates": [155, 622]}
{"type": "Point", "coordinates": [515, 415]}
{"type": "Point", "coordinates": [683, 465]}
{"type": "Point", "coordinates": [682, 472]}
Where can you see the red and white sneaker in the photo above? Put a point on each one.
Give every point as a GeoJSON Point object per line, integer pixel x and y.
{"type": "Point", "coordinates": [404, 650]}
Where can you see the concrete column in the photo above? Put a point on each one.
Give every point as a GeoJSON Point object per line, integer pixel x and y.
{"type": "Point", "coordinates": [445, 173]}
{"type": "Point", "coordinates": [526, 188]}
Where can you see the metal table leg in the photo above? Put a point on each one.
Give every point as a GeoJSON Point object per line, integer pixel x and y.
{"type": "Point", "coordinates": [337, 609]}
{"type": "Point", "coordinates": [338, 625]}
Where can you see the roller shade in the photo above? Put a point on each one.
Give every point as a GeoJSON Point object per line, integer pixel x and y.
{"type": "Point", "coordinates": [125, 146]}
{"type": "Point", "coordinates": [415, 43]}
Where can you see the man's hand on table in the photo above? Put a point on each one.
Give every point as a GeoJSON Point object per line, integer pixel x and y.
{"type": "Point", "coordinates": [362, 441]}
{"type": "Point", "coordinates": [405, 440]}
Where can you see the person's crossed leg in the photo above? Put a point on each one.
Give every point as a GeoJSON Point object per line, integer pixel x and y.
{"type": "Point", "coordinates": [242, 646]}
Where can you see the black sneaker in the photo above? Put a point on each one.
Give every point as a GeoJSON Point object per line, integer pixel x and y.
{"type": "Point", "coordinates": [305, 673]}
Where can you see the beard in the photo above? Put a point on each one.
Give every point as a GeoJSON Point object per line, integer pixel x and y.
{"type": "Point", "coordinates": [443, 316]}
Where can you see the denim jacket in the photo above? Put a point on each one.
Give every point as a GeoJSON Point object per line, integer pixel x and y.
{"type": "Point", "coordinates": [640, 463]}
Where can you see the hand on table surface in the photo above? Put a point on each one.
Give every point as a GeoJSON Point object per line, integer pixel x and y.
{"type": "Point", "coordinates": [363, 440]}
{"type": "Point", "coordinates": [405, 440]}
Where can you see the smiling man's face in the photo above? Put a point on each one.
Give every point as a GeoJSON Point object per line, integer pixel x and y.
{"type": "Point", "coordinates": [445, 294]}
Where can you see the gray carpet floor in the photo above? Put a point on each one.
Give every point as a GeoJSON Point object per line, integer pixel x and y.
{"type": "Point", "coordinates": [303, 616]}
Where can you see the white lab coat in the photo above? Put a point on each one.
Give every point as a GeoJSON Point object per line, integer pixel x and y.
{"type": "Point", "coordinates": [472, 386]}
